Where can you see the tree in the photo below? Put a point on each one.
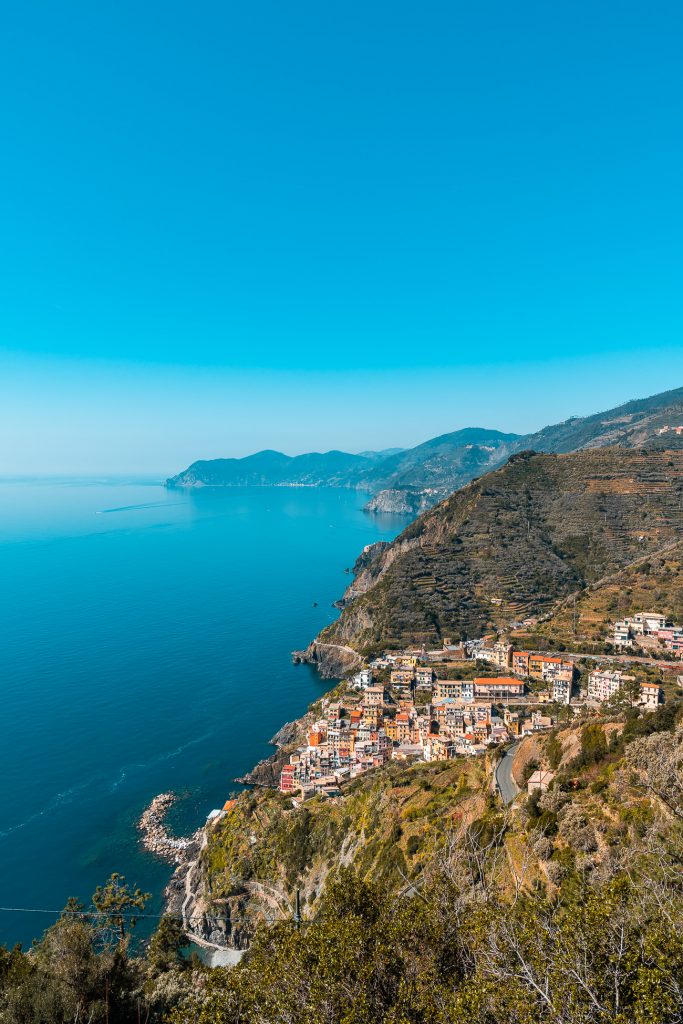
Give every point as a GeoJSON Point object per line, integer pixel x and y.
{"type": "Point", "coordinates": [658, 763]}
{"type": "Point", "coordinates": [167, 944]}
{"type": "Point", "coordinates": [115, 901]}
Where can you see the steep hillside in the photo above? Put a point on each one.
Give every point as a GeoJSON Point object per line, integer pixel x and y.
{"type": "Point", "coordinates": [444, 463]}
{"type": "Point", "coordinates": [509, 545]}
{"type": "Point", "coordinates": [441, 464]}
{"type": "Point", "coordinates": [272, 468]}
{"type": "Point", "coordinates": [385, 825]}
{"type": "Point", "coordinates": [423, 899]}
{"type": "Point", "coordinates": [654, 582]}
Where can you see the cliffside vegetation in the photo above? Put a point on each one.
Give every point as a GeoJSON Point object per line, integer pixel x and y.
{"type": "Point", "coordinates": [568, 910]}
{"type": "Point", "coordinates": [654, 582]}
{"type": "Point", "coordinates": [426, 901]}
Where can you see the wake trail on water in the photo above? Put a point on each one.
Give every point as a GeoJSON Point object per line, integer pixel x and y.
{"type": "Point", "coordinates": [139, 508]}
{"type": "Point", "coordinates": [157, 759]}
{"type": "Point", "coordinates": [65, 797]}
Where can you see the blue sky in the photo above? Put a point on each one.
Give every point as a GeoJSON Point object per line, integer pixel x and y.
{"type": "Point", "coordinates": [312, 225]}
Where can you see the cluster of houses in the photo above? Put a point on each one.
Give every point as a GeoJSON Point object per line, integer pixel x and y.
{"type": "Point", "coordinates": [649, 630]}
{"type": "Point", "coordinates": [374, 723]}
{"type": "Point", "coordinates": [419, 716]}
{"type": "Point", "coordinates": [604, 684]}
{"type": "Point", "coordinates": [557, 673]}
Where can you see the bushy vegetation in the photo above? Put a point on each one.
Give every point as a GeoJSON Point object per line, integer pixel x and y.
{"type": "Point", "coordinates": [438, 906]}
{"type": "Point", "coordinates": [84, 970]}
{"type": "Point", "coordinates": [459, 950]}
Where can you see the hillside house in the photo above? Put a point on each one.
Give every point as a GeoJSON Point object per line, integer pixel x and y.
{"type": "Point", "coordinates": [604, 684]}
{"type": "Point", "coordinates": [497, 654]}
{"type": "Point", "coordinates": [499, 688]}
{"type": "Point", "coordinates": [651, 695]}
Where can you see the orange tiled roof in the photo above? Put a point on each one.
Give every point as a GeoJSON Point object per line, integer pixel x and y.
{"type": "Point", "coordinates": [498, 680]}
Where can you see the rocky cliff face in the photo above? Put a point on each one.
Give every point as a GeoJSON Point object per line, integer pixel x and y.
{"type": "Point", "coordinates": [332, 660]}
{"type": "Point", "coordinates": [228, 921]}
{"type": "Point", "coordinates": [401, 502]}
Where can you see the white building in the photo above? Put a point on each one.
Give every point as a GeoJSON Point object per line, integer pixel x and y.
{"type": "Point", "coordinates": [363, 679]}
{"type": "Point", "coordinates": [646, 623]}
{"type": "Point", "coordinates": [562, 691]}
{"type": "Point", "coordinates": [650, 694]}
{"type": "Point", "coordinates": [622, 634]}
{"type": "Point", "coordinates": [605, 684]}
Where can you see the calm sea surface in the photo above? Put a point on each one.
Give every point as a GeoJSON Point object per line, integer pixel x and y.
{"type": "Point", "coordinates": [145, 637]}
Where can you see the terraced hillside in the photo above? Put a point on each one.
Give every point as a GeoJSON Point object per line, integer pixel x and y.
{"type": "Point", "coordinates": [654, 582]}
{"type": "Point", "coordinates": [509, 545]}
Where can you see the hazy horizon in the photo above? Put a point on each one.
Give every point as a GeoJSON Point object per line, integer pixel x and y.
{"type": "Point", "coordinates": [135, 458]}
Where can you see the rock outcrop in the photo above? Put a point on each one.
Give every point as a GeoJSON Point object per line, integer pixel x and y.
{"type": "Point", "coordinates": [400, 502]}
{"type": "Point", "coordinates": [333, 661]}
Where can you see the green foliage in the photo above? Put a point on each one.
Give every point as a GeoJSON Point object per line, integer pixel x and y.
{"type": "Point", "coordinates": [167, 946]}
{"type": "Point", "coordinates": [116, 902]}
{"type": "Point", "coordinates": [371, 957]}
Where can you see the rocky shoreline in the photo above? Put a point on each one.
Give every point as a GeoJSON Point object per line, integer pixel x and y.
{"type": "Point", "coordinates": [158, 840]}
{"type": "Point", "coordinates": [333, 661]}
{"type": "Point", "coordinates": [224, 928]}
{"type": "Point", "coordinates": [266, 773]}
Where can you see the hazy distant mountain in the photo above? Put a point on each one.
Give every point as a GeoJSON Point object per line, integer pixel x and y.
{"type": "Point", "coordinates": [412, 479]}
{"type": "Point", "coordinates": [444, 462]}
{"type": "Point", "coordinates": [269, 467]}
{"type": "Point", "coordinates": [384, 454]}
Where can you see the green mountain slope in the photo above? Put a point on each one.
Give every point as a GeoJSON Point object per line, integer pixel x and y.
{"type": "Point", "coordinates": [507, 546]}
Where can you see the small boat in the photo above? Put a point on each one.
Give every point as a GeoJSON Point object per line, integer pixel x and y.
{"type": "Point", "coordinates": [315, 604]}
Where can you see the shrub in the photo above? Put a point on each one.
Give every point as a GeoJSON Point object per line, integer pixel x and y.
{"type": "Point", "coordinates": [413, 845]}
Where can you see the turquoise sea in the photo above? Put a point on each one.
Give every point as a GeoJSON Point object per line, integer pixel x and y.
{"type": "Point", "coordinates": [145, 640]}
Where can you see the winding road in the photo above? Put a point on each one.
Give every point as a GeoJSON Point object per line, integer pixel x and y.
{"type": "Point", "coordinates": [505, 783]}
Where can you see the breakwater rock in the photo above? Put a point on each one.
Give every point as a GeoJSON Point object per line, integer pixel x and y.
{"type": "Point", "coordinates": [157, 839]}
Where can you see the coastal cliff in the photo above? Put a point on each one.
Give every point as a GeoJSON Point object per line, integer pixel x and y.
{"type": "Point", "coordinates": [401, 502]}
{"type": "Point", "coordinates": [506, 547]}
{"type": "Point", "coordinates": [332, 661]}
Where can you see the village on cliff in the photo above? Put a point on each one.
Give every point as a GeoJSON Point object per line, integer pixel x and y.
{"type": "Point", "coordinates": [432, 705]}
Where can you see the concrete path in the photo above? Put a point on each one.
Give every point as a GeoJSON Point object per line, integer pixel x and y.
{"type": "Point", "coordinates": [505, 783]}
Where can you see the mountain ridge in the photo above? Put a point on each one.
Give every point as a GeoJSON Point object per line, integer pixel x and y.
{"type": "Point", "coordinates": [410, 480]}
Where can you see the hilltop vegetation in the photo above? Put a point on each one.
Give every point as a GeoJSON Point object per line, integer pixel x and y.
{"type": "Point", "coordinates": [568, 911]}
{"type": "Point", "coordinates": [510, 545]}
